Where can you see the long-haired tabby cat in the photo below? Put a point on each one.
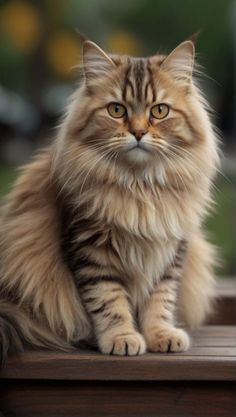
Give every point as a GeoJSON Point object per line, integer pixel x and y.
{"type": "Point", "coordinates": [101, 237]}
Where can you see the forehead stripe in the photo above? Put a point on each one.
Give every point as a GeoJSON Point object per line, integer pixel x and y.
{"type": "Point", "coordinates": [138, 72]}
{"type": "Point", "coordinates": [127, 83]}
{"type": "Point", "coordinates": [151, 82]}
{"type": "Point", "coordinates": [146, 90]}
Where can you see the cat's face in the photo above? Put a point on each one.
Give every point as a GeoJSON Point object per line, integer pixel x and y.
{"type": "Point", "coordinates": [141, 104]}
{"type": "Point", "coordinates": [139, 112]}
{"type": "Point", "coordinates": [138, 108]}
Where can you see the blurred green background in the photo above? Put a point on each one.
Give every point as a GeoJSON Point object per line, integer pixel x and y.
{"type": "Point", "coordinates": [39, 51]}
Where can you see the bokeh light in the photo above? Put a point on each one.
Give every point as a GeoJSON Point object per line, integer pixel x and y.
{"type": "Point", "coordinates": [21, 24]}
{"type": "Point", "coordinates": [63, 52]}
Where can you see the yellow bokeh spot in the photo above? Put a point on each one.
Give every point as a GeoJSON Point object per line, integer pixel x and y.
{"type": "Point", "coordinates": [63, 53]}
{"type": "Point", "coordinates": [21, 23]}
{"type": "Point", "coordinates": [123, 43]}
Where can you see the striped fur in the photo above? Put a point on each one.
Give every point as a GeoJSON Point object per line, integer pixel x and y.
{"type": "Point", "coordinates": [101, 239]}
{"type": "Point", "coordinates": [159, 317]}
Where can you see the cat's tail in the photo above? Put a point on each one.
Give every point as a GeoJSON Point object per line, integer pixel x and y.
{"type": "Point", "coordinates": [17, 330]}
{"type": "Point", "coordinates": [198, 288]}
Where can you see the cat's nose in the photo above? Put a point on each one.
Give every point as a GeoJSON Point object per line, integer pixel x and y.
{"type": "Point", "coordinates": [138, 133]}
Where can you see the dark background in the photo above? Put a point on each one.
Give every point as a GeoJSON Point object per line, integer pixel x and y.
{"type": "Point", "coordinates": [39, 51]}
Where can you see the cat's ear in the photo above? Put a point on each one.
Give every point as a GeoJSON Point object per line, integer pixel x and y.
{"type": "Point", "coordinates": [179, 63]}
{"type": "Point", "coordinates": [96, 62]}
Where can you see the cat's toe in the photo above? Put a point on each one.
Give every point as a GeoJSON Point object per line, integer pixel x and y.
{"type": "Point", "coordinates": [127, 344]}
{"type": "Point", "coordinates": [168, 340]}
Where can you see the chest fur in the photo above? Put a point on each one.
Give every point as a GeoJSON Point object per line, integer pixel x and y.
{"type": "Point", "coordinates": [144, 230]}
{"type": "Point", "coordinates": [150, 217]}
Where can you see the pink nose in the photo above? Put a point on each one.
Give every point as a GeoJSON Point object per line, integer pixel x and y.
{"type": "Point", "coordinates": [138, 133]}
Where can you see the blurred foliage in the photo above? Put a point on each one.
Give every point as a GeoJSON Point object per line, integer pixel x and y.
{"type": "Point", "coordinates": [220, 225]}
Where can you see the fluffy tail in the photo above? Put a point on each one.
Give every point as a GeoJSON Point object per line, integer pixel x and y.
{"type": "Point", "coordinates": [18, 330]}
{"type": "Point", "coordinates": [198, 290]}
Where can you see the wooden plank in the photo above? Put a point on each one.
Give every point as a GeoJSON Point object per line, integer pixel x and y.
{"type": "Point", "coordinates": [215, 341]}
{"type": "Point", "coordinates": [227, 287]}
{"type": "Point", "coordinates": [210, 351]}
{"type": "Point", "coordinates": [215, 336]}
{"type": "Point", "coordinates": [225, 308]}
{"type": "Point", "coordinates": [225, 312]}
{"type": "Point", "coordinates": [211, 357]}
{"type": "Point", "coordinates": [218, 331]}
{"type": "Point", "coordinates": [117, 399]}
{"type": "Point", "coordinates": [97, 367]}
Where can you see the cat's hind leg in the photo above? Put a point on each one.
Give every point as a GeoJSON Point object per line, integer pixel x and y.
{"type": "Point", "coordinates": [33, 273]}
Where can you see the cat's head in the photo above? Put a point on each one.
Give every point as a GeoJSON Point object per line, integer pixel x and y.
{"type": "Point", "coordinates": [138, 113]}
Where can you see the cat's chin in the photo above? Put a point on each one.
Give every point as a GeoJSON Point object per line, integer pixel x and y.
{"type": "Point", "coordinates": [138, 155]}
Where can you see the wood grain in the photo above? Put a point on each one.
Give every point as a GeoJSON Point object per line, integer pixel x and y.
{"type": "Point", "coordinates": [212, 357]}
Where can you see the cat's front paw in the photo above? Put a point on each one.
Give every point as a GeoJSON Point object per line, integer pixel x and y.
{"type": "Point", "coordinates": [168, 340]}
{"type": "Point", "coordinates": [124, 344]}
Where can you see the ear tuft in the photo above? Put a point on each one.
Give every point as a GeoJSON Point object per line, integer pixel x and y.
{"type": "Point", "coordinates": [194, 37]}
{"type": "Point", "coordinates": [96, 62]}
{"type": "Point", "coordinates": [179, 63]}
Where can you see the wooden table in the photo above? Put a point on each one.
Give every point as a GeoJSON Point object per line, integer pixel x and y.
{"type": "Point", "coordinates": [200, 382]}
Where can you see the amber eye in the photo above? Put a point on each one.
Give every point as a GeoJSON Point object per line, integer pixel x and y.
{"type": "Point", "coordinates": [116, 110]}
{"type": "Point", "coordinates": [160, 111]}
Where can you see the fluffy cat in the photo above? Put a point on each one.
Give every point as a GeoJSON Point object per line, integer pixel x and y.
{"type": "Point", "coordinates": [101, 237]}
